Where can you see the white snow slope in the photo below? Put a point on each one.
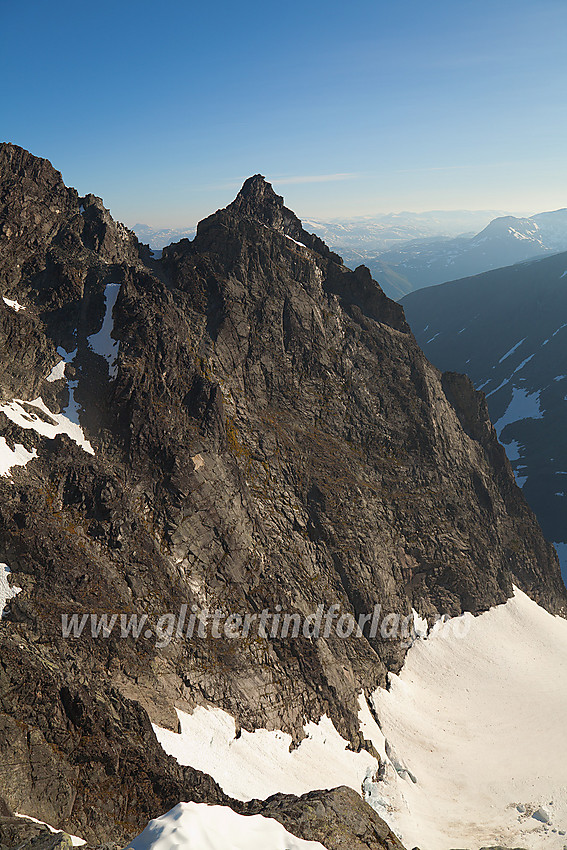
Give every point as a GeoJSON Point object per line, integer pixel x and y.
{"type": "Point", "coordinates": [258, 764]}
{"type": "Point", "coordinates": [197, 826]}
{"type": "Point", "coordinates": [480, 722]}
{"type": "Point", "coordinates": [472, 737]}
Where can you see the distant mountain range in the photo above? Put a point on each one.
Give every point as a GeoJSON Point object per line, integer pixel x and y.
{"type": "Point", "coordinates": [364, 237]}
{"type": "Point", "coordinates": [505, 241]}
{"type": "Point", "coordinates": [507, 329]}
{"type": "Point", "coordinates": [158, 238]}
{"type": "Point", "coordinates": [359, 238]}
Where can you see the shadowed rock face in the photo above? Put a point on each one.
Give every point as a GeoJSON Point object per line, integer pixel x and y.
{"type": "Point", "coordinates": [270, 434]}
{"type": "Point", "coordinates": [506, 328]}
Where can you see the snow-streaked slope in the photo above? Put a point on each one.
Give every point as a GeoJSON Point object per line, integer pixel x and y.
{"type": "Point", "coordinates": [514, 349]}
{"type": "Point", "coordinates": [7, 591]}
{"type": "Point", "coordinates": [258, 764]}
{"type": "Point", "coordinates": [197, 826]}
{"type": "Point", "coordinates": [44, 422]}
{"type": "Point", "coordinates": [480, 724]}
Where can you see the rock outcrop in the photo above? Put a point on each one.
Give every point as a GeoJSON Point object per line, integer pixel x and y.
{"type": "Point", "coordinates": [266, 432]}
{"type": "Point", "coordinates": [338, 819]}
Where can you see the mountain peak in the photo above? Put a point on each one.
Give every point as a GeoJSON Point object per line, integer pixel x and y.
{"type": "Point", "coordinates": [16, 163]}
{"type": "Point", "coordinates": [257, 184]}
{"type": "Point", "coordinates": [258, 199]}
{"type": "Point", "coordinates": [257, 203]}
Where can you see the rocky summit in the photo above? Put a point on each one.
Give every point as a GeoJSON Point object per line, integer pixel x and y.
{"type": "Point", "coordinates": [244, 424]}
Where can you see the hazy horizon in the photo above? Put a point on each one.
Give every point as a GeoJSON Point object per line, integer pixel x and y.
{"type": "Point", "coordinates": [305, 217]}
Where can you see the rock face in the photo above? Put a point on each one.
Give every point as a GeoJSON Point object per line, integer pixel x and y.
{"type": "Point", "coordinates": [25, 835]}
{"type": "Point", "coordinates": [338, 819]}
{"type": "Point", "coordinates": [266, 432]}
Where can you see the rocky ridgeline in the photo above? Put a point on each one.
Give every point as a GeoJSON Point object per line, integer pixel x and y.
{"type": "Point", "coordinates": [266, 432]}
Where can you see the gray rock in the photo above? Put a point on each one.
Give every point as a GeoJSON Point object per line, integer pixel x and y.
{"type": "Point", "coordinates": [335, 465]}
{"type": "Point", "coordinates": [339, 819]}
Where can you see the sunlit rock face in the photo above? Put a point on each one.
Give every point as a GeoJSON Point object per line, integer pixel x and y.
{"type": "Point", "coordinates": [242, 425]}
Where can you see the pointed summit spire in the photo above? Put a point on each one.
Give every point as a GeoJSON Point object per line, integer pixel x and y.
{"type": "Point", "coordinates": [257, 199]}
{"type": "Point", "coordinates": [257, 203]}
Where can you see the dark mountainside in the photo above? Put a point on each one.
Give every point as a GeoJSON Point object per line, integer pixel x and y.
{"type": "Point", "coordinates": [271, 434]}
{"type": "Point", "coordinates": [507, 329]}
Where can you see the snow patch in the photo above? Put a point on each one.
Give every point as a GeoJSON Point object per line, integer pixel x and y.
{"type": "Point", "coordinates": [512, 350]}
{"type": "Point", "coordinates": [102, 342]}
{"type": "Point", "coordinates": [520, 477]}
{"type": "Point", "coordinates": [499, 387]}
{"type": "Point", "coordinates": [68, 356]}
{"type": "Point", "coordinates": [72, 409]}
{"type": "Point", "coordinates": [75, 840]}
{"type": "Point", "coordinates": [57, 372]}
{"type": "Point", "coordinates": [7, 591]}
{"type": "Point", "coordinates": [295, 240]}
{"type": "Point", "coordinates": [13, 304]}
{"type": "Point", "coordinates": [524, 405]}
{"type": "Point", "coordinates": [18, 456]}
{"type": "Point", "coordinates": [47, 424]}
{"type": "Point", "coordinates": [420, 626]}
{"type": "Point", "coordinates": [198, 826]}
{"type": "Point", "coordinates": [258, 764]}
{"type": "Point", "coordinates": [522, 364]}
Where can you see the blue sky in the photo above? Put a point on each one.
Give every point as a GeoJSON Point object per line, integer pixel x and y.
{"type": "Point", "coordinates": [349, 108]}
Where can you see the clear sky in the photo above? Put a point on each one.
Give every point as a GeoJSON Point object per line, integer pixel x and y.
{"type": "Point", "coordinates": [349, 108]}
